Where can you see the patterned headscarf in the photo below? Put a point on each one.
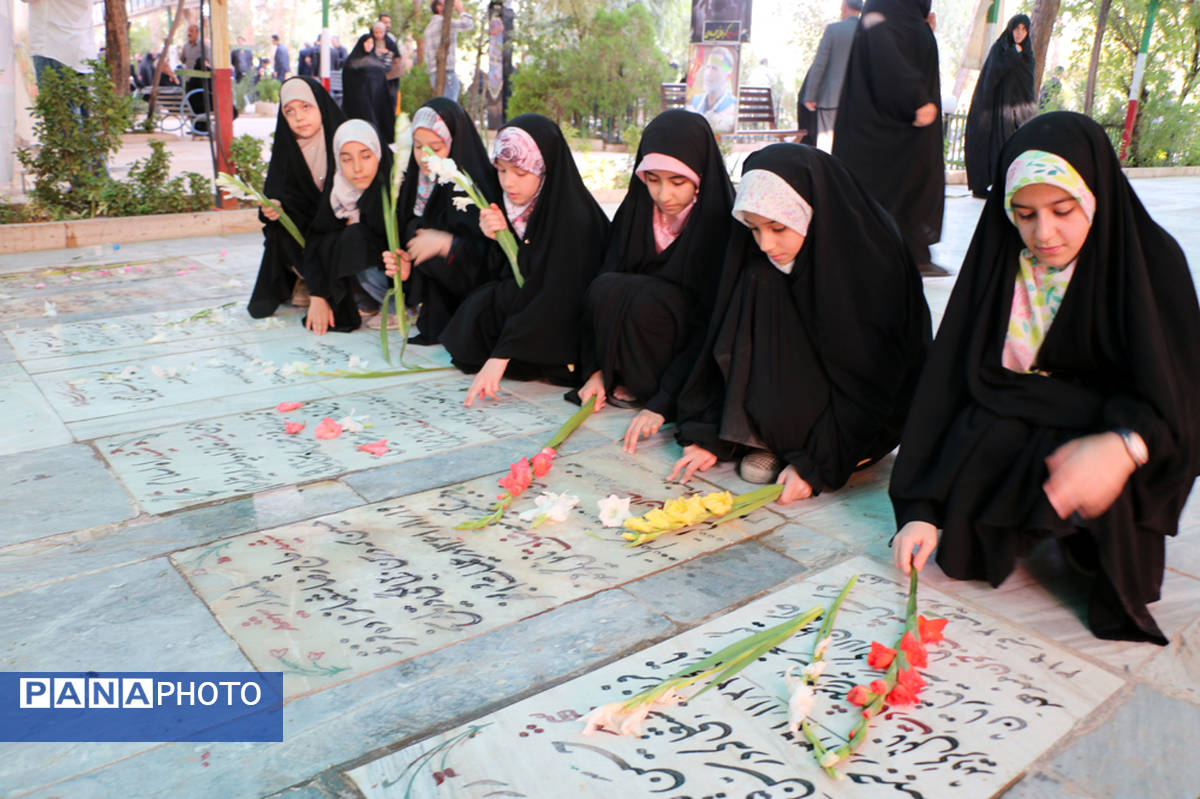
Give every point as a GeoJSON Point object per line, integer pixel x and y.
{"type": "Point", "coordinates": [516, 146]}
{"type": "Point", "coordinates": [1039, 166]}
{"type": "Point", "coordinates": [767, 194]}
{"type": "Point", "coordinates": [427, 118]}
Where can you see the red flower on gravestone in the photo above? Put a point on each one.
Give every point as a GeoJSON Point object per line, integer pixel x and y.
{"type": "Point", "coordinates": [519, 478]}
{"type": "Point", "coordinates": [912, 680]}
{"type": "Point", "coordinates": [880, 656]}
{"type": "Point", "coordinates": [858, 695]}
{"type": "Point", "coordinates": [542, 461]}
{"type": "Point", "coordinates": [930, 630]}
{"type": "Point", "coordinates": [917, 656]}
{"type": "Point", "coordinates": [900, 695]}
{"type": "Point", "coordinates": [878, 687]}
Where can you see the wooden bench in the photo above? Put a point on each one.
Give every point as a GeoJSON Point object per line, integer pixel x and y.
{"type": "Point", "coordinates": [756, 107]}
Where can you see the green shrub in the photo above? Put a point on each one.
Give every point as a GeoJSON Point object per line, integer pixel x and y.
{"type": "Point", "coordinates": [68, 167]}
{"type": "Point", "coordinates": [415, 89]}
{"type": "Point", "coordinates": [268, 90]}
{"type": "Point", "coordinates": [245, 152]}
{"type": "Point", "coordinates": [150, 189]}
{"type": "Point", "coordinates": [243, 91]}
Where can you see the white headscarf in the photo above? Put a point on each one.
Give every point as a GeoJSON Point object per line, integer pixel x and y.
{"type": "Point", "coordinates": [312, 148]}
{"type": "Point", "coordinates": [344, 197]}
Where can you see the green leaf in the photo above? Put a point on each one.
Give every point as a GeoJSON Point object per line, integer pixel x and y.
{"type": "Point", "coordinates": [572, 424]}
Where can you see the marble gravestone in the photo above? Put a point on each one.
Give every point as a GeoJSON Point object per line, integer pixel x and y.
{"type": "Point", "coordinates": [996, 699]}
{"type": "Point", "coordinates": [352, 592]}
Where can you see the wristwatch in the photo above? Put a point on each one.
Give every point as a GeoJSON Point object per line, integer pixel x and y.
{"type": "Point", "coordinates": [1135, 445]}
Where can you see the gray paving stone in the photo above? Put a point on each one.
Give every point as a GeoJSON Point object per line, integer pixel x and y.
{"type": "Point", "coordinates": [1146, 749]}
{"type": "Point", "coordinates": [715, 582]}
{"type": "Point", "coordinates": [57, 490]}
{"type": "Point", "coordinates": [1041, 785]}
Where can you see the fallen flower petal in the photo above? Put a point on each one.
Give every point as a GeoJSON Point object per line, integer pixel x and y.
{"type": "Point", "coordinates": [800, 705]}
{"type": "Point", "coordinates": [49, 308]}
{"type": "Point", "coordinates": [328, 429]}
{"type": "Point", "coordinates": [285, 407]}
{"type": "Point", "coordinates": [880, 656]}
{"type": "Point", "coordinates": [606, 717]}
{"type": "Point", "coordinates": [292, 428]}
{"type": "Point", "coordinates": [830, 759]}
{"type": "Point", "coordinates": [930, 630]}
{"type": "Point", "coordinates": [377, 448]}
{"type": "Point", "coordinates": [822, 647]}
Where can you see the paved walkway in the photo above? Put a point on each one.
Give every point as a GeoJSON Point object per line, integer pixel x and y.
{"type": "Point", "coordinates": [157, 517]}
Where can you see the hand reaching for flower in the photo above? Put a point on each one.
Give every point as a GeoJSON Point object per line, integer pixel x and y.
{"type": "Point", "coordinates": [695, 459]}
{"type": "Point", "coordinates": [487, 381]}
{"type": "Point", "coordinates": [914, 544]}
{"type": "Point", "coordinates": [594, 387]}
{"type": "Point", "coordinates": [397, 261]}
{"type": "Point", "coordinates": [491, 220]}
{"type": "Point", "coordinates": [429, 244]}
{"type": "Point", "coordinates": [645, 424]}
{"type": "Point", "coordinates": [320, 316]}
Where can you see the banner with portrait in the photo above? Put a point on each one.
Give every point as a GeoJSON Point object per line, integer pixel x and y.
{"type": "Point", "coordinates": [712, 84]}
{"type": "Point", "coordinates": [720, 21]}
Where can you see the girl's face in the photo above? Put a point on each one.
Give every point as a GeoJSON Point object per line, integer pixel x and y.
{"type": "Point", "coordinates": [424, 137]}
{"type": "Point", "coordinates": [517, 184]}
{"type": "Point", "coordinates": [670, 191]}
{"type": "Point", "coordinates": [1019, 33]}
{"type": "Point", "coordinates": [303, 118]}
{"type": "Point", "coordinates": [358, 164]}
{"type": "Point", "coordinates": [778, 241]}
{"type": "Point", "coordinates": [1051, 223]}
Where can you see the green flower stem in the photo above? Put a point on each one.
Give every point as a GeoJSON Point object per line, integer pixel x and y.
{"type": "Point", "coordinates": [819, 750]}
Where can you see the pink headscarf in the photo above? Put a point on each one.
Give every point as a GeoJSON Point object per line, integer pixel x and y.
{"type": "Point", "coordinates": [515, 145]}
{"type": "Point", "coordinates": [667, 227]}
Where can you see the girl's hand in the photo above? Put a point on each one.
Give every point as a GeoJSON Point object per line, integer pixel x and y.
{"type": "Point", "coordinates": [397, 261]}
{"type": "Point", "coordinates": [643, 425]}
{"type": "Point", "coordinates": [695, 459]}
{"type": "Point", "coordinates": [915, 537]}
{"type": "Point", "coordinates": [491, 221]}
{"type": "Point", "coordinates": [269, 212]}
{"type": "Point", "coordinates": [794, 487]}
{"type": "Point", "coordinates": [429, 244]}
{"type": "Point", "coordinates": [925, 116]}
{"type": "Point", "coordinates": [320, 315]}
{"type": "Point", "coordinates": [1087, 475]}
{"type": "Point", "coordinates": [487, 380]}
{"type": "Point", "coordinates": [594, 387]}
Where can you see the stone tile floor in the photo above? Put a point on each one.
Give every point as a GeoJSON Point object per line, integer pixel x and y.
{"type": "Point", "coordinates": [158, 517]}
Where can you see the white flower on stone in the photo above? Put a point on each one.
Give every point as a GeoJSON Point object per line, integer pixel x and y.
{"type": "Point", "coordinates": [554, 507]}
{"type": "Point", "coordinates": [165, 374]}
{"type": "Point", "coordinates": [49, 308]}
{"type": "Point", "coordinates": [461, 203]}
{"type": "Point", "coordinates": [830, 759]}
{"type": "Point", "coordinates": [606, 717]}
{"type": "Point", "coordinates": [822, 647]}
{"type": "Point", "coordinates": [293, 367]}
{"type": "Point", "coordinates": [355, 364]}
{"type": "Point", "coordinates": [814, 670]}
{"type": "Point", "coordinates": [614, 510]}
{"type": "Point", "coordinates": [158, 338]}
{"type": "Point", "coordinates": [799, 705]}
{"type": "Point", "coordinates": [351, 424]}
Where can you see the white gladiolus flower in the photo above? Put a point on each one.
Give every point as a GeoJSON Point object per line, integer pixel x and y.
{"type": "Point", "coordinates": [49, 308]}
{"type": "Point", "coordinates": [351, 424]}
{"type": "Point", "coordinates": [554, 507]}
{"type": "Point", "coordinates": [819, 652]}
{"type": "Point", "coordinates": [830, 759]}
{"type": "Point", "coordinates": [814, 670]}
{"type": "Point", "coordinates": [614, 510]}
{"type": "Point", "coordinates": [800, 705]}
{"type": "Point", "coordinates": [461, 203]}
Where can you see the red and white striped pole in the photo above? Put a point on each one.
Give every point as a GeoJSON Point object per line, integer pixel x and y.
{"type": "Point", "coordinates": [326, 55]}
{"type": "Point", "coordinates": [1139, 73]}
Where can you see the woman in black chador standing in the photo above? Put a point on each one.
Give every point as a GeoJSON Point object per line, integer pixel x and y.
{"type": "Point", "coordinates": [301, 170]}
{"type": "Point", "coordinates": [1061, 399]}
{"type": "Point", "coordinates": [1003, 101]}
{"type": "Point", "coordinates": [366, 91]}
{"type": "Point", "coordinates": [645, 315]}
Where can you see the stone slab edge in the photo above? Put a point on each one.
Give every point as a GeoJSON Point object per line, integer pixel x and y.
{"type": "Point", "coordinates": [32, 236]}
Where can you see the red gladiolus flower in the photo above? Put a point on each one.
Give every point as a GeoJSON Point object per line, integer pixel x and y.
{"type": "Point", "coordinates": [930, 629]}
{"type": "Point", "coordinates": [541, 462]}
{"type": "Point", "coordinates": [868, 712]}
{"type": "Point", "coordinates": [859, 695]}
{"type": "Point", "coordinates": [519, 477]}
{"type": "Point", "coordinates": [880, 657]}
{"type": "Point", "coordinates": [878, 687]}
{"type": "Point", "coordinates": [911, 680]}
{"type": "Point", "coordinates": [900, 695]}
{"type": "Point", "coordinates": [916, 653]}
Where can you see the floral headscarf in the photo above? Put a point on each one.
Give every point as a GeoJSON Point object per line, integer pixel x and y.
{"type": "Point", "coordinates": [767, 194]}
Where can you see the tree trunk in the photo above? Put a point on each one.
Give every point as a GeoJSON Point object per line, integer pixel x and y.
{"type": "Point", "coordinates": [443, 53]}
{"type": "Point", "coordinates": [162, 59]}
{"type": "Point", "coordinates": [116, 44]}
{"type": "Point", "coordinates": [1089, 96]}
{"type": "Point", "coordinates": [1045, 12]}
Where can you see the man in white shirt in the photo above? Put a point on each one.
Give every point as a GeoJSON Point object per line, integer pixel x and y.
{"type": "Point", "coordinates": [60, 35]}
{"type": "Point", "coordinates": [433, 40]}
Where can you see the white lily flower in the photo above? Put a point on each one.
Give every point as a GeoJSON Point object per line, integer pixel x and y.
{"type": "Point", "coordinates": [814, 670]}
{"type": "Point", "coordinates": [355, 363]}
{"type": "Point", "coordinates": [461, 203]}
{"type": "Point", "coordinates": [49, 308]}
{"type": "Point", "coordinates": [614, 510]}
{"type": "Point", "coordinates": [555, 507]}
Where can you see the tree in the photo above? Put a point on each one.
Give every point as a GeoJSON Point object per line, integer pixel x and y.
{"type": "Point", "coordinates": [1089, 96]}
{"type": "Point", "coordinates": [1045, 13]}
{"type": "Point", "coordinates": [116, 44]}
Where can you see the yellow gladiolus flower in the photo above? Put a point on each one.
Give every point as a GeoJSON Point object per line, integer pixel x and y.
{"type": "Point", "coordinates": [676, 510]}
{"type": "Point", "coordinates": [638, 525]}
{"type": "Point", "coordinates": [659, 520]}
{"type": "Point", "coordinates": [718, 503]}
{"type": "Point", "coordinates": [695, 510]}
